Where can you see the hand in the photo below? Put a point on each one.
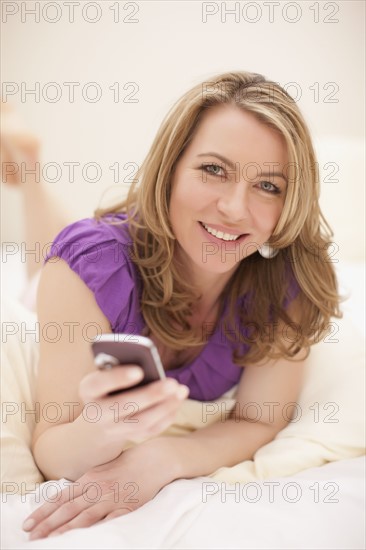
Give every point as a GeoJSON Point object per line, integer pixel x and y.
{"type": "Point", "coordinates": [132, 415]}
{"type": "Point", "coordinates": [17, 145]}
{"type": "Point", "coordinates": [107, 491]}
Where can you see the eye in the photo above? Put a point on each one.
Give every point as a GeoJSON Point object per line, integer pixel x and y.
{"type": "Point", "coordinates": [270, 187]}
{"type": "Point", "coordinates": [216, 167]}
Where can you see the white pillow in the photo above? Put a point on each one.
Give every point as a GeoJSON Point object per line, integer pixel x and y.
{"type": "Point", "coordinates": [331, 421]}
{"type": "Point", "coordinates": [19, 359]}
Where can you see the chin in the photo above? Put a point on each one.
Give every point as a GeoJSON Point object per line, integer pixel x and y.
{"type": "Point", "coordinates": [216, 265]}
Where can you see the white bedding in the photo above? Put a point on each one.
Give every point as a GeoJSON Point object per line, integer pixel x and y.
{"type": "Point", "coordinates": [320, 508]}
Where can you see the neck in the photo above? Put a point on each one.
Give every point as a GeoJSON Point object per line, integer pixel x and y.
{"type": "Point", "coordinates": [209, 285]}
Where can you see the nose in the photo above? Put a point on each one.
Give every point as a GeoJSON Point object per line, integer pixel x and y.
{"type": "Point", "coordinates": [233, 204]}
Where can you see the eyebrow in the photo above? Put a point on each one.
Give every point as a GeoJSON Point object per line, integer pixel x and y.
{"type": "Point", "coordinates": [232, 165]}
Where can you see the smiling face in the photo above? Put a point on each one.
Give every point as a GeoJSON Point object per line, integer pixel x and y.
{"type": "Point", "coordinates": [228, 183]}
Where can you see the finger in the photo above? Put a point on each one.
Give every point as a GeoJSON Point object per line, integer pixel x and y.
{"type": "Point", "coordinates": [153, 430]}
{"type": "Point", "coordinates": [163, 424]}
{"type": "Point", "coordinates": [117, 514]}
{"type": "Point", "coordinates": [70, 493]}
{"type": "Point", "coordinates": [85, 517]}
{"type": "Point", "coordinates": [157, 413]}
{"type": "Point", "coordinates": [147, 396]}
{"type": "Point", "coordinates": [98, 384]}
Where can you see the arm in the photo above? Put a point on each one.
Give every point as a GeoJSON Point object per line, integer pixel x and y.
{"type": "Point", "coordinates": [265, 402]}
{"type": "Point", "coordinates": [68, 446]}
{"type": "Point", "coordinates": [80, 438]}
{"type": "Point", "coordinates": [272, 389]}
{"type": "Point", "coordinates": [224, 443]}
{"type": "Point", "coordinates": [210, 448]}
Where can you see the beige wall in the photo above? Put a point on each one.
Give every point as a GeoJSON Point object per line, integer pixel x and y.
{"type": "Point", "coordinates": [170, 47]}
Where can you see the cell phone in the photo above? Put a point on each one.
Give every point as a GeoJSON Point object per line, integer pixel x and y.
{"type": "Point", "coordinates": [111, 350]}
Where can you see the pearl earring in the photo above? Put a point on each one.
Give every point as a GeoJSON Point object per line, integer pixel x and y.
{"type": "Point", "coordinates": [267, 251]}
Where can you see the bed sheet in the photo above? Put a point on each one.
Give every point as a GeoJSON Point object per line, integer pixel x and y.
{"type": "Point", "coordinates": [320, 508]}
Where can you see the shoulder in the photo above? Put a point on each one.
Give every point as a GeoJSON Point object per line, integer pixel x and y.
{"type": "Point", "coordinates": [90, 238]}
{"type": "Point", "coordinates": [100, 253]}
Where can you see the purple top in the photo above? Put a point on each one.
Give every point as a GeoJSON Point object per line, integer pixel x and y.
{"type": "Point", "coordinates": [99, 253]}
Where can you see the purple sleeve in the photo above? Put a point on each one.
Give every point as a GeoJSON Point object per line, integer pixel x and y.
{"type": "Point", "coordinates": [98, 253]}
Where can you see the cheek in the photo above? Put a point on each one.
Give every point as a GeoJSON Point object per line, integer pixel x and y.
{"type": "Point", "coordinates": [188, 194]}
{"type": "Point", "coordinates": [266, 214]}
{"type": "Point", "coordinates": [180, 207]}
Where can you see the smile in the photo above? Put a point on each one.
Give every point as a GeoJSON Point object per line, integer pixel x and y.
{"type": "Point", "coordinates": [220, 234]}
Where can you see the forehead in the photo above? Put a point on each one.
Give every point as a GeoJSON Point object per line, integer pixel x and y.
{"type": "Point", "coordinates": [238, 135]}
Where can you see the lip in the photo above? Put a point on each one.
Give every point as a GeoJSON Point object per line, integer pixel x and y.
{"type": "Point", "coordinates": [225, 229]}
{"type": "Point", "coordinates": [214, 239]}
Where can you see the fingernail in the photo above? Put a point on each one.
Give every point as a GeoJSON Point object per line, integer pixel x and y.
{"type": "Point", "coordinates": [134, 373]}
{"type": "Point", "coordinates": [183, 392]}
{"type": "Point", "coordinates": [170, 386]}
{"type": "Point", "coordinates": [28, 524]}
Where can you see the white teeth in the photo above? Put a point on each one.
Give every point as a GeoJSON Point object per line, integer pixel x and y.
{"type": "Point", "coordinates": [220, 234]}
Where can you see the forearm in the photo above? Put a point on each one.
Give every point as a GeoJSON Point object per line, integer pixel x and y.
{"type": "Point", "coordinates": [221, 444]}
{"type": "Point", "coordinates": [69, 450]}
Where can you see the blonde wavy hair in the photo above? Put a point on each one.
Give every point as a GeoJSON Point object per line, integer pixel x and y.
{"type": "Point", "coordinates": [302, 234]}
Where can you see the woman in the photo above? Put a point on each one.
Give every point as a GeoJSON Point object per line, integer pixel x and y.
{"type": "Point", "coordinates": [218, 255]}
